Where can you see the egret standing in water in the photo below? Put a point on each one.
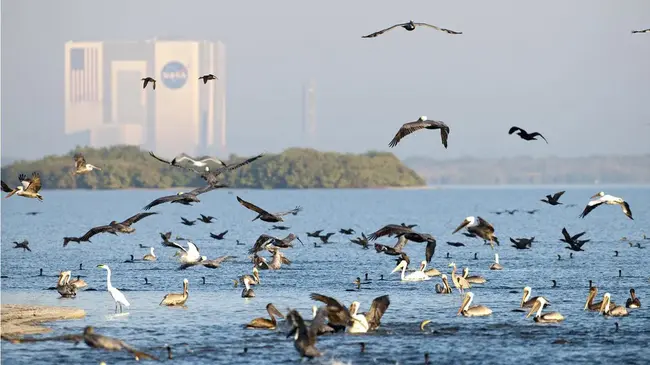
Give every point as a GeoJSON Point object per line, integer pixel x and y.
{"type": "Point", "coordinates": [117, 295]}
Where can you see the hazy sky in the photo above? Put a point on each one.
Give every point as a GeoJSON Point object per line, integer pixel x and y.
{"type": "Point", "coordinates": [569, 69]}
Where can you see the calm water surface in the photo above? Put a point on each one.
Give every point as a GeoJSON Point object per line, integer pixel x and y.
{"type": "Point", "coordinates": [210, 329]}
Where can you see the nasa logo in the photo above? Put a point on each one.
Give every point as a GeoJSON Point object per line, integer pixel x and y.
{"type": "Point", "coordinates": [174, 75]}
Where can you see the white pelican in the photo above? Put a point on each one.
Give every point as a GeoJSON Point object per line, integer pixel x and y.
{"type": "Point", "coordinates": [191, 255]}
{"type": "Point", "coordinates": [475, 311]}
{"type": "Point", "coordinates": [418, 275]}
{"type": "Point", "coordinates": [474, 279]}
{"type": "Point", "coordinates": [527, 301]}
{"type": "Point", "coordinates": [459, 282]}
{"type": "Point", "coordinates": [369, 321]}
{"type": "Point", "coordinates": [607, 309]}
{"type": "Point", "coordinates": [551, 317]}
{"type": "Point", "coordinates": [29, 187]}
{"type": "Point", "coordinates": [150, 256]}
{"type": "Point", "coordinates": [174, 299]}
{"type": "Point", "coordinates": [117, 295]}
{"type": "Point", "coordinates": [80, 165]}
{"type": "Point", "coordinates": [603, 198]}
{"type": "Point", "coordinates": [633, 301]}
{"type": "Point", "coordinates": [479, 227]}
{"type": "Point", "coordinates": [496, 265]}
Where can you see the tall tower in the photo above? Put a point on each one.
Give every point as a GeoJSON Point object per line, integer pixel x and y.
{"type": "Point", "coordinates": [220, 103]}
{"type": "Point", "coordinates": [309, 112]}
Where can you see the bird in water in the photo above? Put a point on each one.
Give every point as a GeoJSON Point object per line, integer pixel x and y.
{"type": "Point", "coordinates": [207, 77]}
{"type": "Point", "coordinates": [81, 166]}
{"type": "Point", "coordinates": [410, 26]}
{"type": "Point", "coordinates": [422, 123]}
{"type": "Point", "coordinates": [264, 323]}
{"type": "Point", "coordinates": [247, 292]}
{"type": "Point", "coordinates": [472, 311]}
{"type": "Point", "coordinates": [633, 301]}
{"type": "Point", "coordinates": [525, 135]}
{"type": "Point", "coordinates": [150, 256]}
{"type": "Point", "coordinates": [206, 219]}
{"type": "Point", "coordinates": [538, 306]}
{"type": "Point", "coordinates": [554, 284]}
{"type": "Point", "coordinates": [147, 80]}
{"type": "Point", "coordinates": [607, 308]}
{"type": "Point", "coordinates": [24, 245]}
{"type": "Point", "coordinates": [64, 287]}
{"type": "Point", "coordinates": [175, 299]}
{"type": "Point", "coordinates": [553, 200]}
{"type": "Point", "coordinates": [29, 187]}
{"type": "Point", "coordinates": [265, 216]}
{"type": "Point", "coordinates": [602, 198]}
{"type": "Point", "coordinates": [118, 297]}
{"type": "Point", "coordinates": [304, 337]}
{"type": "Point", "coordinates": [219, 236]}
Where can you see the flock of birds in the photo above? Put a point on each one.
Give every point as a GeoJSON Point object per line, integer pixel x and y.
{"type": "Point", "coordinates": [332, 316]}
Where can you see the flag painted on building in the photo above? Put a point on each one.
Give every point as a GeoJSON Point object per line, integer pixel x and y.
{"type": "Point", "coordinates": [84, 75]}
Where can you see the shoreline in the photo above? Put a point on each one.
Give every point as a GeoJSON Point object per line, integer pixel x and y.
{"type": "Point", "coordinates": [22, 319]}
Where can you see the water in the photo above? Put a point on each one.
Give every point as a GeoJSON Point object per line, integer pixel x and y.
{"type": "Point", "coordinates": [210, 329]}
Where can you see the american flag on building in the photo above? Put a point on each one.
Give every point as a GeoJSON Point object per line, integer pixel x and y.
{"type": "Point", "coordinates": [84, 75]}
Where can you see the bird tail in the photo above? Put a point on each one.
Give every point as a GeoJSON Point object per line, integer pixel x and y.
{"type": "Point", "coordinates": [67, 240]}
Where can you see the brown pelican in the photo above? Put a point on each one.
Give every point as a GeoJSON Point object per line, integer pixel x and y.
{"type": "Point", "coordinates": [24, 245]}
{"type": "Point", "coordinates": [346, 231]}
{"type": "Point", "coordinates": [607, 308]}
{"type": "Point", "coordinates": [474, 311]}
{"type": "Point", "coordinates": [432, 272]}
{"type": "Point", "coordinates": [175, 299]}
{"type": "Point", "coordinates": [522, 243]}
{"type": "Point", "coordinates": [574, 242]}
{"type": "Point", "coordinates": [553, 200]}
{"type": "Point", "coordinates": [304, 339]}
{"type": "Point", "coordinates": [633, 301]}
{"type": "Point", "coordinates": [79, 282]}
{"type": "Point", "coordinates": [479, 227]}
{"type": "Point", "coordinates": [421, 123]}
{"type": "Point", "coordinates": [264, 323]}
{"type": "Point", "coordinates": [527, 301]}
{"type": "Point", "coordinates": [368, 321]}
{"type": "Point", "coordinates": [80, 165]}
{"type": "Point", "coordinates": [525, 135]}
{"type": "Point", "coordinates": [496, 265]}
{"type": "Point", "coordinates": [409, 234]}
{"type": "Point", "coordinates": [444, 288]}
{"type": "Point", "coordinates": [113, 228]}
{"type": "Point", "coordinates": [150, 256]}
{"type": "Point", "coordinates": [207, 77]}
{"type": "Point", "coordinates": [459, 282]}
{"type": "Point", "coordinates": [410, 26]}
{"type": "Point", "coordinates": [29, 187]}
{"type": "Point", "coordinates": [266, 216]}
{"type": "Point", "coordinates": [64, 287]}
{"type": "Point", "coordinates": [551, 317]}
{"type": "Point", "coordinates": [338, 315]}
{"type": "Point", "coordinates": [206, 219]}
{"type": "Point", "coordinates": [276, 262]}
{"type": "Point", "coordinates": [187, 222]}
{"type": "Point", "coordinates": [280, 228]}
{"type": "Point", "coordinates": [125, 226]}
{"type": "Point", "coordinates": [475, 279]}
{"type": "Point", "coordinates": [148, 80]}
{"type": "Point", "coordinates": [641, 31]}
{"type": "Point", "coordinates": [182, 197]}
{"type": "Point", "coordinates": [590, 305]}
{"type": "Point", "coordinates": [252, 280]}
{"type": "Point", "coordinates": [247, 292]}
{"type": "Point", "coordinates": [117, 295]}
{"type": "Point", "coordinates": [361, 241]}
{"type": "Point", "coordinates": [219, 236]}
{"type": "Point", "coordinates": [264, 241]}
{"type": "Point", "coordinates": [603, 198]}
{"type": "Point", "coordinates": [418, 275]}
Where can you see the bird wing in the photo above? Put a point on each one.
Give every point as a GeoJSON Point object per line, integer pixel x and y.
{"type": "Point", "coordinates": [483, 222]}
{"type": "Point", "coordinates": [556, 196]}
{"type": "Point", "coordinates": [388, 230]}
{"type": "Point", "coordinates": [626, 209]}
{"type": "Point", "coordinates": [245, 162]}
{"type": "Point", "coordinates": [262, 241]}
{"type": "Point", "coordinates": [205, 189]}
{"type": "Point", "coordinates": [160, 159]}
{"type": "Point", "coordinates": [34, 183]}
{"type": "Point", "coordinates": [166, 236]}
{"type": "Point", "coordinates": [444, 131]}
{"type": "Point", "coordinates": [406, 129]}
{"type": "Point", "coordinates": [514, 129]}
{"type": "Point", "coordinates": [377, 309]}
{"type": "Point", "coordinates": [251, 206]}
{"type": "Point", "coordinates": [79, 161]}
{"type": "Point", "coordinates": [401, 242]}
{"type": "Point", "coordinates": [6, 187]}
{"type": "Point", "coordinates": [576, 236]}
{"type": "Point", "coordinates": [449, 31]}
{"type": "Point", "coordinates": [641, 31]}
{"type": "Point", "coordinates": [164, 199]}
{"type": "Point", "coordinates": [176, 245]}
{"type": "Point", "coordinates": [565, 233]}
{"type": "Point", "coordinates": [317, 323]}
{"type": "Point", "coordinates": [379, 32]}
{"type": "Point", "coordinates": [192, 249]}
{"type": "Point", "coordinates": [590, 206]}
{"type": "Point", "coordinates": [96, 230]}
{"type": "Point", "coordinates": [538, 134]}
{"type": "Point", "coordinates": [137, 217]}
{"type": "Point", "coordinates": [338, 314]}
{"type": "Point", "coordinates": [293, 211]}
{"type": "Point", "coordinates": [430, 250]}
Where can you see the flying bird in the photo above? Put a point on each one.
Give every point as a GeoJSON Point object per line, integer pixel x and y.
{"type": "Point", "coordinates": [480, 227]}
{"type": "Point", "coordinates": [206, 219]}
{"type": "Point", "coordinates": [29, 187]}
{"type": "Point", "coordinates": [522, 243]}
{"type": "Point", "coordinates": [553, 200]}
{"type": "Point", "coordinates": [410, 26]}
{"type": "Point", "coordinates": [641, 31]}
{"type": "Point", "coordinates": [346, 231]}
{"type": "Point", "coordinates": [80, 165]}
{"type": "Point", "coordinates": [212, 176]}
{"type": "Point", "coordinates": [421, 123]}
{"type": "Point", "coordinates": [148, 80]}
{"type": "Point", "coordinates": [113, 228]}
{"type": "Point", "coordinates": [280, 228]}
{"type": "Point", "coordinates": [574, 242]}
{"type": "Point", "coordinates": [602, 198]}
{"type": "Point", "coordinates": [183, 198]}
{"type": "Point", "coordinates": [266, 216]}
{"type": "Point", "coordinates": [207, 77]}
{"type": "Point", "coordinates": [315, 233]}
{"type": "Point", "coordinates": [264, 241]}
{"type": "Point", "coordinates": [187, 222]}
{"type": "Point", "coordinates": [525, 135]}
{"type": "Point", "coordinates": [304, 337]}
{"type": "Point", "coordinates": [219, 236]}
{"type": "Point", "coordinates": [198, 162]}
{"type": "Point", "coordinates": [24, 245]}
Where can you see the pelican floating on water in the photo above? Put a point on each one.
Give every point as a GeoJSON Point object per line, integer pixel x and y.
{"type": "Point", "coordinates": [369, 321]}
{"type": "Point", "coordinates": [590, 305]}
{"type": "Point", "coordinates": [418, 275]}
{"type": "Point", "coordinates": [633, 301]}
{"type": "Point", "coordinates": [459, 282]}
{"type": "Point", "coordinates": [551, 317]}
{"type": "Point", "coordinates": [474, 311]}
{"type": "Point", "coordinates": [150, 256]}
{"type": "Point", "coordinates": [444, 288]}
{"type": "Point", "coordinates": [247, 292]}
{"type": "Point", "coordinates": [64, 287]}
{"type": "Point", "coordinates": [527, 301]}
{"type": "Point", "coordinates": [602, 198]}
{"type": "Point", "coordinates": [609, 309]}
{"type": "Point", "coordinates": [479, 227]}
{"type": "Point", "coordinates": [174, 299]}
{"type": "Point", "coordinates": [474, 279]}
{"type": "Point", "coordinates": [117, 295]}
{"type": "Point", "coordinates": [264, 323]}
{"type": "Point", "coordinates": [496, 265]}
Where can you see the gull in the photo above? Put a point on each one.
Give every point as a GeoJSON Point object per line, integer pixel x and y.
{"type": "Point", "coordinates": [29, 187]}
{"type": "Point", "coordinates": [207, 77]}
{"type": "Point", "coordinates": [198, 162]}
{"type": "Point", "coordinates": [148, 80]}
{"type": "Point", "coordinates": [525, 135]}
{"type": "Point", "coordinates": [80, 165]}
{"type": "Point", "coordinates": [266, 216]}
{"type": "Point", "coordinates": [212, 176]}
{"type": "Point", "coordinates": [410, 26]}
{"type": "Point", "coordinates": [421, 123]}
{"type": "Point", "coordinates": [603, 198]}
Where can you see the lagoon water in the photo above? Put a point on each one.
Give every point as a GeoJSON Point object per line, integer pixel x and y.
{"type": "Point", "coordinates": [210, 329]}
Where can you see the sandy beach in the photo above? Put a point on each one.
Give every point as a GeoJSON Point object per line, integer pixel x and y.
{"type": "Point", "coordinates": [19, 320]}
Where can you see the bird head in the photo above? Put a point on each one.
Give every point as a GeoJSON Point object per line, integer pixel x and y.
{"type": "Point", "coordinates": [102, 266]}
{"type": "Point", "coordinates": [423, 118]}
{"type": "Point", "coordinates": [602, 193]}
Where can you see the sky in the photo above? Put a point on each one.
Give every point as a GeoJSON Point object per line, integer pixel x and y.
{"type": "Point", "coordinates": [571, 70]}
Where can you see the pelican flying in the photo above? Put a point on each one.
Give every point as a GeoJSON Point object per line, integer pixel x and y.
{"type": "Point", "coordinates": [29, 187]}
{"type": "Point", "coordinates": [603, 198]}
{"type": "Point", "coordinates": [80, 165]}
{"type": "Point", "coordinates": [421, 123]}
{"type": "Point", "coordinates": [410, 26]}
{"type": "Point", "coordinates": [479, 227]}
{"type": "Point", "coordinates": [525, 135]}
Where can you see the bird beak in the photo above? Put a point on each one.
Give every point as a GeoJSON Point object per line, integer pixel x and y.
{"type": "Point", "coordinates": [463, 304]}
{"type": "Point", "coordinates": [299, 240]}
{"type": "Point", "coordinates": [604, 304]}
{"type": "Point", "coordinates": [399, 266]}
{"type": "Point", "coordinates": [533, 309]}
{"type": "Point", "coordinates": [590, 297]}
{"type": "Point", "coordinates": [462, 225]}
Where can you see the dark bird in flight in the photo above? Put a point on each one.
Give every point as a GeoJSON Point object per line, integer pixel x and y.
{"type": "Point", "coordinates": [125, 226]}
{"type": "Point", "coordinates": [522, 243]}
{"type": "Point", "coordinates": [410, 26]}
{"type": "Point", "coordinates": [532, 211]}
{"type": "Point", "coordinates": [280, 228]}
{"type": "Point", "coordinates": [315, 233]}
{"type": "Point", "coordinates": [33, 213]}
{"type": "Point", "coordinates": [525, 135]}
{"type": "Point", "coordinates": [219, 236]}
{"type": "Point", "coordinates": [511, 212]}
{"type": "Point", "coordinates": [264, 241]}
{"type": "Point", "coordinates": [184, 198]}
{"type": "Point", "coordinates": [396, 250]}
{"type": "Point", "coordinates": [113, 228]}
{"type": "Point", "coordinates": [421, 123]}
{"type": "Point", "coordinates": [207, 77]}
{"type": "Point", "coordinates": [553, 200]}
{"type": "Point", "coordinates": [361, 241]}
{"type": "Point", "coordinates": [206, 219]}
{"type": "Point", "coordinates": [409, 234]}
{"type": "Point", "coordinates": [346, 231]}
{"type": "Point", "coordinates": [24, 245]}
{"type": "Point", "coordinates": [641, 31]}
{"type": "Point", "coordinates": [574, 242]}
{"type": "Point", "coordinates": [187, 222]}
{"type": "Point", "coordinates": [326, 238]}
{"type": "Point", "coordinates": [212, 176]}
{"type": "Point", "coordinates": [266, 216]}
{"type": "Point", "coordinates": [455, 244]}
{"type": "Point", "coordinates": [148, 80]}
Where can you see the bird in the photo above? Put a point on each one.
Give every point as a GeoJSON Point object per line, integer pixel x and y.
{"type": "Point", "coordinates": [91, 232]}
{"type": "Point", "coordinates": [361, 241]}
{"type": "Point", "coordinates": [206, 219]}
{"type": "Point", "coordinates": [207, 77]}
{"type": "Point", "coordinates": [247, 292]}
{"type": "Point", "coordinates": [212, 176]}
{"type": "Point", "coordinates": [117, 295]}
{"type": "Point", "coordinates": [525, 135]}
{"type": "Point", "coordinates": [315, 233]}
{"type": "Point", "coordinates": [175, 299]}
{"type": "Point", "coordinates": [527, 301]}
{"type": "Point", "coordinates": [455, 244]}
{"type": "Point", "coordinates": [264, 241]}
{"type": "Point", "coordinates": [410, 26]}
{"type": "Point", "coordinates": [187, 222]}
{"type": "Point", "coordinates": [496, 265]}
{"type": "Point", "coordinates": [264, 323]}
{"type": "Point", "coordinates": [553, 200]}
{"type": "Point", "coordinates": [29, 187]}
{"type": "Point", "coordinates": [422, 123]}
{"type": "Point", "coordinates": [479, 227]}
{"type": "Point", "coordinates": [532, 211]}
{"type": "Point", "coordinates": [522, 243]}
{"type": "Point", "coordinates": [602, 198]}
{"type": "Point", "coordinates": [409, 234]}
{"type": "Point", "coordinates": [24, 245]}
{"type": "Point", "coordinates": [265, 216]}
{"type": "Point", "coordinates": [150, 256]}
{"type": "Point", "coordinates": [148, 80]}
{"type": "Point", "coordinates": [326, 237]}
{"type": "Point", "coordinates": [537, 306]}
{"type": "Point", "coordinates": [633, 301]}
{"type": "Point", "coordinates": [280, 228]}
{"type": "Point", "coordinates": [607, 308]}
{"type": "Point", "coordinates": [80, 165]}
{"type": "Point", "coordinates": [346, 231]}
{"type": "Point", "coordinates": [368, 321]}
{"type": "Point", "coordinates": [64, 287]}
{"type": "Point", "coordinates": [184, 198]}
{"type": "Point", "coordinates": [305, 337]}
{"type": "Point", "coordinates": [113, 227]}
{"type": "Point", "coordinates": [219, 236]}
{"type": "Point", "coordinates": [574, 242]}
{"type": "Point", "coordinates": [641, 31]}
{"type": "Point", "coordinates": [472, 311]}
{"type": "Point", "coordinates": [198, 162]}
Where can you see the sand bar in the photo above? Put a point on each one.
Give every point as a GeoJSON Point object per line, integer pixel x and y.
{"type": "Point", "coordinates": [19, 320]}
